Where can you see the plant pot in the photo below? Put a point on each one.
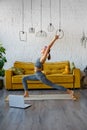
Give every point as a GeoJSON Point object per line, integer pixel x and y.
{"type": "Point", "coordinates": [1, 84]}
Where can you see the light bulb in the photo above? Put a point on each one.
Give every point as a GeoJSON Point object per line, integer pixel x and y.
{"type": "Point", "coordinates": [41, 33]}
{"type": "Point", "coordinates": [31, 30]}
{"type": "Point", "coordinates": [50, 27]}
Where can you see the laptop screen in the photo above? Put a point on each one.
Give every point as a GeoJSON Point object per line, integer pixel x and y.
{"type": "Point", "coordinates": [17, 101]}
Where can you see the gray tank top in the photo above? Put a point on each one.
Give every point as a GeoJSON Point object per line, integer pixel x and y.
{"type": "Point", "coordinates": [38, 64]}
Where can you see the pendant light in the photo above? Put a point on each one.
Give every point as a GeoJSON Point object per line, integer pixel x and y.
{"type": "Point", "coordinates": [50, 26]}
{"type": "Point", "coordinates": [59, 31]}
{"type": "Point", "coordinates": [23, 34]}
{"type": "Point", "coordinates": [41, 33]}
{"type": "Point", "coordinates": [31, 29]}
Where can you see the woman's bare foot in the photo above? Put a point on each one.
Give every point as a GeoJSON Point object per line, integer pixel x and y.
{"type": "Point", "coordinates": [72, 94]}
{"type": "Point", "coordinates": [26, 94]}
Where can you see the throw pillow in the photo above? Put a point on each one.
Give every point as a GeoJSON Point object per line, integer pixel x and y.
{"type": "Point", "coordinates": [72, 66]}
{"type": "Point", "coordinates": [17, 71]}
{"type": "Point", "coordinates": [66, 71]}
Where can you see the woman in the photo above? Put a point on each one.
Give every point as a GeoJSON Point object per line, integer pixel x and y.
{"type": "Point", "coordinates": [39, 75]}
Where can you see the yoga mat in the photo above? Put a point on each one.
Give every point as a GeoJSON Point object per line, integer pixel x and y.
{"type": "Point", "coordinates": [45, 97]}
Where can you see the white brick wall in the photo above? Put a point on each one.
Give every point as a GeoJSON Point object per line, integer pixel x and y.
{"type": "Point", "coordinates": [74, 21]}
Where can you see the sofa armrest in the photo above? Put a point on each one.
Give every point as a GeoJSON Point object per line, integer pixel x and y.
{"type": "Point", "coordinates": [76, 73]}
{"type": "Point", "coordinates": [8, 79]}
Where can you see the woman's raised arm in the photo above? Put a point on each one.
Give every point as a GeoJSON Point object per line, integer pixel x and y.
{"type": "Point", "coordinates": [48, 48]}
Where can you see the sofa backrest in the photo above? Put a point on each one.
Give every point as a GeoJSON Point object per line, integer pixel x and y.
{"type": "Point", "coordinates": [27, 66]}
{"type": "Point", "coordinates": [49, 67]}
{"type": "Point", "coordinates": [55, 67]}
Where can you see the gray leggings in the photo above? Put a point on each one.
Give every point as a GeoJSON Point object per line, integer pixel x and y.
{"type": "Point", "coordinates": [41, 77]}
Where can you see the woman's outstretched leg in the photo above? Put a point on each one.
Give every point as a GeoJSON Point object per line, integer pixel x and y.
{"type": "Point", "coordinates": [46, 81]}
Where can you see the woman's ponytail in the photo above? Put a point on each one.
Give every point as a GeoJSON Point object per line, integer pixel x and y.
{"type": "Point", "coordinates": [49, 56]}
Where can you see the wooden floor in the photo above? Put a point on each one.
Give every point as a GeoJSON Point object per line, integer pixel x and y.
{"type": "Point", "coordinates": [46, 114]}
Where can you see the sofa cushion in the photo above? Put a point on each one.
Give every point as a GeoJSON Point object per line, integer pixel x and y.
{"type": "Point", "coordinates": [68, 78]}
{"type": "Point", "coordinates": [55, 67]}
{"type": "Point", "coordinates": [60, 78]}
{"type": "Point", "coordinates": [27, 66]}
{"type": "Point", "coordinates": [18, 79]}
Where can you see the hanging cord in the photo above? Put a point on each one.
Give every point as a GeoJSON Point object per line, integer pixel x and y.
{"type": "Point", "coordinates": [50, 27]}
{"type": "Point", "coordinates": [41, 33]}
{"type": "Point", "coordinates": [50, 13]}
{"type": "Point", "coordinates": [41, 15]}
{"type": "Point", "coordinates": [31, 29]}
{"type": "Point", "coordinates": [60, 31]}
{"type": "Point", "coordinates": [23, 16]}
{"type": "Point", "coordinates": [31, 15]}
{"type": "Point", "coordinates": [22, 34]}
{"type": "Point", "coordinates": [59, 14]}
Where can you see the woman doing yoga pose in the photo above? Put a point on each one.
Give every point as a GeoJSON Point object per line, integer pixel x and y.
{"type": "Point", "coordinates": [39, 75]}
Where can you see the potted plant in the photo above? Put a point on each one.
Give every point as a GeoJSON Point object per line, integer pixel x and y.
{"type": "Point", "coordinates": [2, 62]}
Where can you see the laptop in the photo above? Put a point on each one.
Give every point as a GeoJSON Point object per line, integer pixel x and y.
{"type": "Point", "coordinates": [17, 101]}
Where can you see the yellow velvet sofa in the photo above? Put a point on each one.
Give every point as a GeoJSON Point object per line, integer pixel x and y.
{"type": "Point", "coordinates": [57, 72]}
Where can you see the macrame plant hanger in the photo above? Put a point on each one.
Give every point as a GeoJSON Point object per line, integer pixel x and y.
{"type": "Point", "coordinates": [23, 34]}
{"type": "Point", "coordinates": [59, 31]}
{"type": "Point", "coordinates": [41, 33]}
{"type": "Point", "coordinates": [50, 26]}
{"type": "Point", "coordinates": [31, 29]}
